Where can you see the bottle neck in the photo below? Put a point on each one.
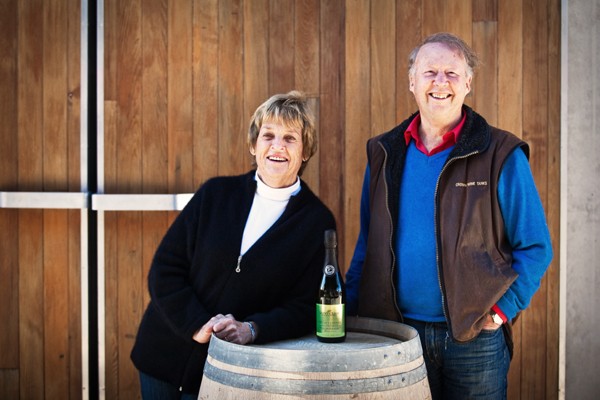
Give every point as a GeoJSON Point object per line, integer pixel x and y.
{"type": "Point", "coordinates": [330, 256]}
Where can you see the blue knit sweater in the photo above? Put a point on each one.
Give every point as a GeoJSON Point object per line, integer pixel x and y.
{"type": "Point", "coordinates": [419, 294]}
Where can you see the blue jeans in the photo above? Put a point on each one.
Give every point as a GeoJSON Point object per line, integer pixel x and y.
{"type": "Point", "coordinates": [474, 370]}
{"type": "Point", "coordinates": [155, 389]}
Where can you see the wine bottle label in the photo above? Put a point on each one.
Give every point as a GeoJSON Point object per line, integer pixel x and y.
{"type": "Point", "coordinates": [330, 320]}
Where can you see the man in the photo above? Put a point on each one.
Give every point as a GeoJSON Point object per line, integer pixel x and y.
{"type": "Point", "coordinates": [453, 238]}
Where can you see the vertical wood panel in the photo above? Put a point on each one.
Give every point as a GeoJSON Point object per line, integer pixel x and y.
{"type": "Point", "coordinates": [30, 157]}
{"type": "Point", "coordinates": [9, 383]}
{"type": "Point", "coordinates": [129, 97]}
{"type": "Point", "coordinates": [535, 130]}
{"type": "Point", "coordinates": [73, 94]}
{"type": "Point", "coordinates": [180, 96]}
{"type": "Point", "coordinates": [306, 70]}
{"type": "Point", "coordinates": [383, 67]}
{"type": "Point", "coordinates": [306, 46]}
{"type": "Point", "coordinates": [553, 201]}
{"type": "Point", "coordinates": [155, 99]}
{"type": "Point", "coordinates": [357, 108]}
{"type": "Point", "coordinates": [9, 294]}
{"type": "Point", "coordinates": [331, 132]}
{"type": "Point", "coordinates": [9, 297]}
{"type": "Point", "coordinates": [54, 87]}
{"type": "Point", "coordinates": [73, 333]}
{"type": "Point", "coordinates": [233, 152]}
{"type": "Point", "coordinates": [510, 61]}
{"type": "Point", "coordinates": [130, 294]}
{"type": "Point", "coordinates": [459, 18]}
{"type": "Point", "coordinates": [510, 117]}
{"type": "Point", "coordinates": [408, 35]}
{"type": "Point", "coordinates": [29, 102]}
{"type": "Point", "coordinates": [31, 304]}
{"type": "Point", "coordinates": [485, 84]}
{"type": "Point", "coordinates": [433, 17]}
{"type": "Point", "coordinates": [485, 10]}
{"type": "Point", "coordinates": [8, 91]}
{"type": "Point", "coordinates": [127, 226]}
{"type": "Point", "coordinates": [111, 339]}
{"type": "Point", "coordinates": [159, 98]}
{"type": "Point", "coordinates": [256, 56]}
{"type": "Point", "coordinates": [281, 46]}
{"type": "Point", "coordinates": [205, 55]}
{"type": "Point", "coordinates": [56, 302]}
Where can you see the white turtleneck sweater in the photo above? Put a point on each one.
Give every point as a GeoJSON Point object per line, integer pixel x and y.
{"type": "Point", "coordinates": [268, 205]}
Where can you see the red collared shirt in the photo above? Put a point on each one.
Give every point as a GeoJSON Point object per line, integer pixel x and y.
{"type": "Point", "coordinates": [448, 140]}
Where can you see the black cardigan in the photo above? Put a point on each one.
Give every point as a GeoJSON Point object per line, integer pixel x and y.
{"type": "Point", "coordinates": [193, 278]}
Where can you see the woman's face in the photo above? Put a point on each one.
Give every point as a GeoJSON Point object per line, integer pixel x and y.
{"type": "Point", "coordinates": [278, 152]}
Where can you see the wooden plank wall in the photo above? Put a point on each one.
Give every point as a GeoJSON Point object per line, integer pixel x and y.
{"type": "Point", "coordinates": [182, 79]}
{"type": "Point", "coordinates": [40, 338]}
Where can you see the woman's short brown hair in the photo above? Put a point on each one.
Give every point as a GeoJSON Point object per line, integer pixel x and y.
{"type": "Point", "coordinates": [291, 109]}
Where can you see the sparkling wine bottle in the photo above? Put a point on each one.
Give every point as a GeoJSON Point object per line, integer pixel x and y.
{"type": "Point", "coordinates": [331, 313]}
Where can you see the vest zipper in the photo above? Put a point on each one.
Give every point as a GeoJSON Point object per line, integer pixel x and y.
{"type": "Point", "coordinates": [387, 207]}
{"type": "Point", "coordinates": [437, 238]}
{"type": "Point", "coordinates": [239, 261]}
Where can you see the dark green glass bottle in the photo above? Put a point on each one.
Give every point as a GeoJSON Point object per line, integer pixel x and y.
{"type": "Point", "coordinates": [331, 313]}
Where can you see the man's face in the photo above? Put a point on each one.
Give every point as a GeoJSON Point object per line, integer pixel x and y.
{"type": "Point", "coordinates": [440, 83]}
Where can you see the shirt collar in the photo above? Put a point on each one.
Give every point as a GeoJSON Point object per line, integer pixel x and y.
{"type": "Point", "coordinates": [448, 140]}
{"type": "Point", "coordinates": [277, 194]}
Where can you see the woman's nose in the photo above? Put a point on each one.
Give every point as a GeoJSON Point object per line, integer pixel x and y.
{"type": "Point", "coordinates": [277, 143]}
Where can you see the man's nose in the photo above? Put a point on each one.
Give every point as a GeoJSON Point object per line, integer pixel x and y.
{"type": "Point", "coordinates": [440, 78]}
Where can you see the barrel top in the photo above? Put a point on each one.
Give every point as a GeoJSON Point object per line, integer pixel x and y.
{"type": "Point", "coordinates": [354, 340]}
{"type": "Point", "coordinates": [366, 340]}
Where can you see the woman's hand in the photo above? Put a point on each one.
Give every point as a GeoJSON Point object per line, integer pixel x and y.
{"type": "Point", "coordinates": [224, 327]}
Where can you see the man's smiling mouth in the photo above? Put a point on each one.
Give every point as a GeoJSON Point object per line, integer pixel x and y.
{"type": "Point", "coordinates": [440, 96]}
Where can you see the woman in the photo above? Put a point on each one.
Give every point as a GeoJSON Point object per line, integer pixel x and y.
{"type": "Point", "coordinates": [243, 259]}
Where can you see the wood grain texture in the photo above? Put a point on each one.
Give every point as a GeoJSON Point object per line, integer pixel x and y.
{"type": "Point", "coordinates": [357, 108]}
{"type": "Point", "coordinates": [9, 262]}
{"type": "Point", "coordinates": [180, 73]}
{"type": "Point", "coordinates": [233, 152]}
{"type": "Point", "coordinates": [181, 81]}
{"type": "Point", "coordinates": [205, 56]}
{"type": "Point", "coordinates": [535, 132]}
{"type": "Point", "coordinates": [31, 305]}
{"type": "Point", "coordinates": [331, 115]}
{"type": "Point", "coordinates": [156, 103]}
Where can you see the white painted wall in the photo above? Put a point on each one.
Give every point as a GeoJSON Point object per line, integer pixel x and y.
{"type": "Point", "coordinates": [580, 200]}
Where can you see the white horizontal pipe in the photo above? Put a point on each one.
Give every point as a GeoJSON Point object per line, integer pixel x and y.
{"type": "Point", "coordinates": [140, 202]}
{"type": "Point", "coordinates": [68, 200]}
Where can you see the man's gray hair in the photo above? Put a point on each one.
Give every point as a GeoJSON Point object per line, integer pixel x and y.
{"type": "Point", "coordinates": [453, 42]}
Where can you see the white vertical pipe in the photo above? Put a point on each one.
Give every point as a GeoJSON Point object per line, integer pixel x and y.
{"type": "Point", "coordinates": [100, 177]}
{"type": "Point", "coordinates": [83, 161]}
{"type": "Point", "coordinates": [564, 133]}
